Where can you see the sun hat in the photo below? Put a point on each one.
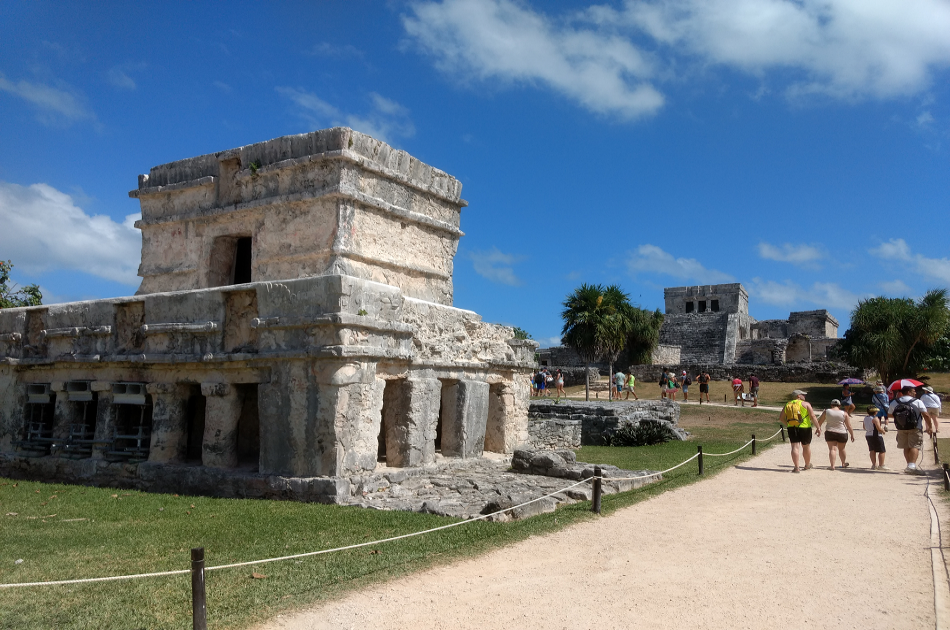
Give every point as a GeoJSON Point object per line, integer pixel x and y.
{"type": "Point", "coordinates": [872, 410]}
{"type": "Point", "coordinates": [799, 392]}
{"type": "Point", "coordinates": [835, 402]}
{"type": "Point", "coordinates": [928, 389]}
{"type": "Point", "coordinates": [879, 388]}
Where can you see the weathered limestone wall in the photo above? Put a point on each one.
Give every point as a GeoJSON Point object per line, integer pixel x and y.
{"type": "Point", "coordinates": [731, 298]}
{"type": "Point", "coordinates": [597, 421]}
{"type": "Point", "coordinates": [332, 201]}
{"type": "Point", "coordinates": [666, 354]}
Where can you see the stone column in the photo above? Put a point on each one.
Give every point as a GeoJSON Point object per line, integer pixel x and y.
{"type": "Point", "coordinates": [105, 419]}
{"type": "Point", "coordinates": [169, 439]}
{"type": "Point", "coordinates": [411, 422]}
{"type": "Point", "coordinates": [464, 417]}
{"type": "Point", "coordinates": [222, 411]}
{"type": "Point", "coordinates": [62, 414]}
{"type": "Point", "coordinates": [507, 427]}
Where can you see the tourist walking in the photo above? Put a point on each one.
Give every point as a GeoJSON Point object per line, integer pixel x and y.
{"type": "Point", "coordinates": [664, 383]}
{"type": "Point", "coordinates": [847, 405]}
{"type": "Point", "coordinates": [836, 433]}
{"type": "Point", "coordinates": [880, 400]}
{"type": "Point", "coordinates": [797, 417]}
{"type": "Point", "coordinates": [685, 382]}
{"type": "Point", "coordinates": [911, 419]}
{"type": "Point", "coordinates": [934, 405]}
{"type": "Point", "coordinates": [619, 380]}
{"type": "Point", "coordinates": [559, 382]}
{"type": "Point", "coordinates": [874, 434]}
{"type": "Point", "coordinates": [539, 383]}
{"type": "Point", "coordinates": [738, 391]}
{"type": "Point", "coordinates": [671, 385]}
{"type": "Point", "coordinates": [754, 389]}
{"type": "Point", "coordinates": [631, 386]}
{"type": "Point", "coordinates": [703, 380]}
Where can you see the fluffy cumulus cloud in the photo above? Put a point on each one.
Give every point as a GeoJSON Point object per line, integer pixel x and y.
{"type": "Point", "coordinates": [496, 266]}
{"type": "Point", "coordinates": [386, 119]}
{"type": "Point", "coordinates": [651, 259]}
{"type": "Point", "coordinates": [44, 230]}
{"type": "Point", "coordinates": [611, 59]}
{"type": "Point", "coordinates": [788, 293]}
{"type": "Point", "coordinates": [897, 249]}
{"type": "Point", "coordinates": [802, 255]}
{"type": "Point", "coordinates": [54, 105]}
{"type": "Point", "coordinates": [502, 40]}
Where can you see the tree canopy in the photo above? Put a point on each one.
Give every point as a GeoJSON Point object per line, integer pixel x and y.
{"type": "Point", "coordinates": [10, 296]}
{"type": "Point", "coordinates": [896, 336]}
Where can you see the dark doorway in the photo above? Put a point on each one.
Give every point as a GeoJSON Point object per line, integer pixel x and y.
{"type": "Point", "coordinates": [196, 424]}
{"type": "Point", "coordinates": [242, 260]}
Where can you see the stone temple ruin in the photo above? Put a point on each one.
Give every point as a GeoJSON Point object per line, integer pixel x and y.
{"type": "Point", "coordinates": [294, 327]}
{"type": "Point", "coordinates": [710, 324]}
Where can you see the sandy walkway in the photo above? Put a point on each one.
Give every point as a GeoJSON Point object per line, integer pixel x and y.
{"type": "Point", "coordinates": [754, 547]}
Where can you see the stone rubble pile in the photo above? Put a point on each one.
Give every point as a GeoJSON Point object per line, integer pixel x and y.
{"type": "Point", "coordinates": [470, 487]}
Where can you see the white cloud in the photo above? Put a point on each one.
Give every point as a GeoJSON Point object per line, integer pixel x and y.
{"type": "Point", "coordinates": [897, 288]}
{"type": "Point", "coordinates": [55, 105]}
{"type": "Point", "coordinates": [385, 121]}
{"type": "Point", "coordinates": [788, 293]}
{"type": "Point", "coordinates": [44, 231]}
{"type": "Point", "coordinates": [501, 40]}
{"type": "Point", "coordinates": [119, 78]}
{"type": "Point", "coordinates": [925, 118]}
{"type": "Point", "coordinates": [802, 255]}
{"type": "Point", "coordinates": [609, 60]}
{"type": "Point", "coordinates": [496, 266]}
{"type": "Point", "coordinates": [326, 49]}
{"type": "Point", "coordinates": [842, 48]}
{"type": "Point", "coordinates": [652, 259]}
{"type": "Point", "coordinates": [898, 249]}
{"type": "Point", "coordinates": [549, 342]}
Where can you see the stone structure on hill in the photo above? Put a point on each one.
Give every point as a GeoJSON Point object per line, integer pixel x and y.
{"type": "Point", "coordinates": [293, 328]}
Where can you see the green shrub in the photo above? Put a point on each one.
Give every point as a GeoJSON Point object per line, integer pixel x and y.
{"type": "Point", "coordinates": [647, 433]}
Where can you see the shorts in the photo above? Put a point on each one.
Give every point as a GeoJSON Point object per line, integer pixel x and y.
{"type": "Point", "coordinates": [832, 436]}
{"type": "Point", "coordinates": [910, 438]}
{"type": "Point", "coordinates": [881, 413]}
{"type": "Point", "coordinates": [541, 385]}
{"type": "Point", "coordinates": [846, 401]}
{"type": "Point", "coordinates": [685, 389]}
{"type": "Point", "coordinates": [754, 391]}
{"type": "Point", "coordinates": [704, 388]}
{"type": "Point", "coordinates": [875, 443]}
{"type": "Point", "coordinates": [799, 434]}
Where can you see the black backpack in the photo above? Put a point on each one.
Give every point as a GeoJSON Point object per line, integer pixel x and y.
{"type": "Point", "coordinates": [687, 381]}
{"type": "Point", "coordinates": [906, 416]}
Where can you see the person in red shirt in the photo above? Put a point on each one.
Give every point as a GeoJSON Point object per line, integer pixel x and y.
{"type": "Point", "coordinates": [737, 390]}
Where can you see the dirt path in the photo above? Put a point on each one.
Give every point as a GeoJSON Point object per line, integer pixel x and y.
{"type": "Point", "coordinates": [754, 547]}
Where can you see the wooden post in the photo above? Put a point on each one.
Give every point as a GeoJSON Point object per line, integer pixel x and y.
{"type": "Point", "coordinates": [700, 449]}
{"type": "Point", "coordinates": [753, 443]}
{"type": "Point", "coordinates": [597, 491]}
{"type": "Point", "coordinates": [783, 433]}
{"type": "Point", "coordinates": [936, 454]}
{"type": "Point", "coordinates": [199, 612]}
{"type": "Point", "coordinates": [946, 477]}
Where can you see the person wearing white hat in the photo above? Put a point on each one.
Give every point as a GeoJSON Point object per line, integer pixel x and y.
{"type": "Point", "coordinates": [934, 405]}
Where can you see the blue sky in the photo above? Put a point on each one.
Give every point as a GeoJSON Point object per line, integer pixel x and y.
{"type": "Point", "coordinates": [801, 148]}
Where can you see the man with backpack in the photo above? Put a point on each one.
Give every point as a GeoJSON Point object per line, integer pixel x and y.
{"type": "Point", "coordinates": [685, 381]}
{"type": "Point", "coordinates": [911, 420]}
{"type": "Point", "coordinates": [703, 379]}
{"type": "Point", "coordinates": [798, 416]}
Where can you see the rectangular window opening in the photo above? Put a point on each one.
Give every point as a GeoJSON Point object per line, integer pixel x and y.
{"type": "Point", "coordinates": [249, 429]}
{"type": "Point", "coordinates": [689, 307]}
{"type": "Point", "coordinates": [702, 306]}
{"type": "Point", "coordinates": [242, 260]}
{"type": "Point", "coordinates": [195, 424]}
{"type": "Point", "coordinates": [715, 306]}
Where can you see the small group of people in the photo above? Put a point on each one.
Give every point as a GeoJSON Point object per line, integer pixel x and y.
{"type": "Point", "coordinates": [543, 381]}
{"type": "Point", "coordinates": [671, 383]}
{"type": "Point", "coordinates": [912, 418]}
{"type": "Point", "coordinates": [625, 383]}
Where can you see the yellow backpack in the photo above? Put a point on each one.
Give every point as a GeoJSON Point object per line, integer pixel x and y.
{"type": "Point", "coordinates": [795, 413]}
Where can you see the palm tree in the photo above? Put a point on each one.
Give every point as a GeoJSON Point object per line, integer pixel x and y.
{"type": "Point", "coordinates": [597, 320]}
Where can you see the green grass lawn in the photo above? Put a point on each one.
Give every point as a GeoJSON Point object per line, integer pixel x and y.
{"type": "Point", "coordinates": [63, 532]}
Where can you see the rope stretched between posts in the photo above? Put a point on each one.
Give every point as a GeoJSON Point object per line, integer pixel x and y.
{"type": "Point", "coordinates": [730, 452]}
{"type": "Point", "coordinates": [114, 578]}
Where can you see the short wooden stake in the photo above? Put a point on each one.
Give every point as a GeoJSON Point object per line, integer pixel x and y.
{"type": "Point", "coordinates": [597, 491]}
{"type": "Point", "coordinates": [753, 443]}
{"type": "Point", "coordinates": [199, 612]}
{"type": "Point", "coordinates": [783, 433]}
{"type": "Point", "coordinates": [700, 449]}
{"type": "Point", "coordinates": [946, 477]}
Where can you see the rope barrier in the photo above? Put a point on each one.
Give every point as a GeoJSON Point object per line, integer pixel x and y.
{"type": "Point", "coordinates": [480, 517]}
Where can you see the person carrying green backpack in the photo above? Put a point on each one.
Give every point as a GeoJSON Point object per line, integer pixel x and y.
{"type": "Point", "coordinates": [798, 417]}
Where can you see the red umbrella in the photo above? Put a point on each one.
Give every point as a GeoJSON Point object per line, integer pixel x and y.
{"type": "Point", "coordinates": [904, 382]}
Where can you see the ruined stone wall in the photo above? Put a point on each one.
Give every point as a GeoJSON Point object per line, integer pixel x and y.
{"type": "Point", "coordinates": [332, 201]}
{"type": "Point", "coordinates": [559, 423]}
{"type": "Point", "coordinates": [665, 354]}
{"type": "Point", "coordinates": [701, 337]}
{"type": "Point", "coordinates": [730, 298]}
{"type": "Point", "coordinates": [818, 324]}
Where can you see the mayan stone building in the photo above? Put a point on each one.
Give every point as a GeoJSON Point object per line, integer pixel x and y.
{"type": "Point", "coordinates": [710, 324]}
{"type": "Point", "coordinates": [294, 326]}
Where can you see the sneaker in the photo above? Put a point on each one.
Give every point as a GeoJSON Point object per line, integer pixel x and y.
{"type": "Point", "coordinates": [873, 466]}
{"type": "Point", "coordinates": [883, 468]}
{"type": "Point", "coordinates": [913, 471]}
{"type": "Point", "coordinates": [809, 466]}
